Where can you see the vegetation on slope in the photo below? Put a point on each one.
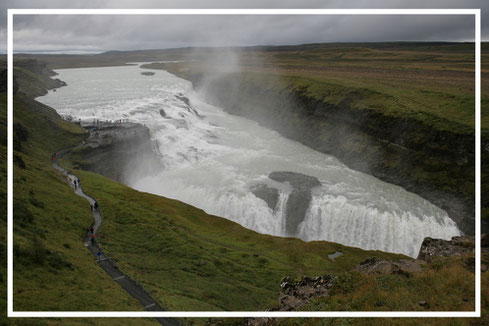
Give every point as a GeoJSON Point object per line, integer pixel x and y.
{"type": "Point", "coordinates": [34, 78]}
{"type": "Point", "coordinates": [53, 269]}
{"type": "Point", "coordinates": [194, 261]}
{"type": "Point", "coordinates": [447, 281]}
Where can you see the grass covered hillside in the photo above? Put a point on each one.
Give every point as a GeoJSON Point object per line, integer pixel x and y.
{"type": "Point", "coordinates": [34, 78]}
{"type": "Point", "coordinates": [52, 268]}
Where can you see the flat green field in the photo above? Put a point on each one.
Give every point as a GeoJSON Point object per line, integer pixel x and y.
{"type": "Point", "coordinates": [434, 82]}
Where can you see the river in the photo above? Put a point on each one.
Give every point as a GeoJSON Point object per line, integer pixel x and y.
{"type": "Point", "coordinates": [213, 160]}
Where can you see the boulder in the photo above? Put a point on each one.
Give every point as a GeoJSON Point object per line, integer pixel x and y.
{"type": "Point", "coordinates": [374, 265]}
{"type": "Point", "coordinates": [299, 198]}
{"type": "Point", "coordinates": [184, 99]}
{"type": "Point", "coordinates": [431, 248]}
{"type": "Point", "coordinates": [295, 294]}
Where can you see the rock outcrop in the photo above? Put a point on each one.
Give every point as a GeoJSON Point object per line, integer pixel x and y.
{"type": "Point", "coordinates": [298, 201]}
{"type": "Point", "coordinates": [376, 265]}
{"type": "Point", "coordinates": [431, 248]}
{"type": "Point", "coordinates": [295, 294]}
{"type": "Point", "coordinates": [268, 194]}
{"type": "Point", "coordinates": [122, 152]}
{"type": "Point", "coordinates": [35, 78]}
{"type": "Point", "coordinates": [299, 198]}
{"type": "Point", "coordinates": [297, 180]}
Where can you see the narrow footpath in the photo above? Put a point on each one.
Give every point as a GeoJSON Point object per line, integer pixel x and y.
{"type": "Point", "coordinates": [107, 264]}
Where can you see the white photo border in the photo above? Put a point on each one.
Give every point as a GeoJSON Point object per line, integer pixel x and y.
{"type": "Point", "coordinates": [176, 314]}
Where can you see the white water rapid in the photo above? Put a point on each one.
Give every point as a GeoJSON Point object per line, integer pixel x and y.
{"type": "Point", "coordinates": [213, 159]}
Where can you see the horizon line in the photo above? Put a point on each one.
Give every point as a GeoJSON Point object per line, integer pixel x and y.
{"type": "Point", "coordinates": [102, 51]}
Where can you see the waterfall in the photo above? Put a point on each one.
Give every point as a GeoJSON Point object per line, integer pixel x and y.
{"type": "Point", "coordinates": [335, 219]}
{"type": "Point", "coordinates": [212, 160]}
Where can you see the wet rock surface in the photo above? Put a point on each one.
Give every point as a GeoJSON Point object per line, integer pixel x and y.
{"type": "Point", "coordinates": [299, 198]}
{"type": "Point", "coordinates": [118, 151]}
{"type": "Point", "coordinates": [268, 194]}
{"type": "Point", "coordinates": [184, 99]}
{"type": "Point", "coordinates": [297, 180]}
{"type": "Point", "coordinates": [186, 105]}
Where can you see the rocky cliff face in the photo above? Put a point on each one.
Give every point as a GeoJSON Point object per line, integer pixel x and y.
{"type": "Point", "coordinates": [438, 165]}
{"type": "Point", "coordinates": [35, 78]}
{"type": "Point", "coordinates": [122, 152]}
{"type": "Point", "coordinates": [433, 248]}
{"type": "Point", "coordinates": [298, 201]}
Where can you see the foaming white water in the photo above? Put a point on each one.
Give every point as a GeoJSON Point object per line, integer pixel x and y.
{"type": "Point", "coordinates": [212, 160]}
{"type": "Point", "coordinates": [336, 219]}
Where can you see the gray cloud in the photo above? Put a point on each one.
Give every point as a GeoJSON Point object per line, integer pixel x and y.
{"type": "Point", "coordinates": [101, 33]}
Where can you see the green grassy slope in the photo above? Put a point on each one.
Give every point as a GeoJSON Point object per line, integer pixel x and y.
{"type": "Point", "coordinates": [53, 270]}
{"type": "Point", "coordinates": [34, 77]}
{"type": "Point", "coordinates": [445, 285]}
{"type": "Point", "coordinates": [194, 261]}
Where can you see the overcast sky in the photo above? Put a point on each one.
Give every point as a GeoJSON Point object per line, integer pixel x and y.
{"type": "Point", "coordinates": [102, 33]}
